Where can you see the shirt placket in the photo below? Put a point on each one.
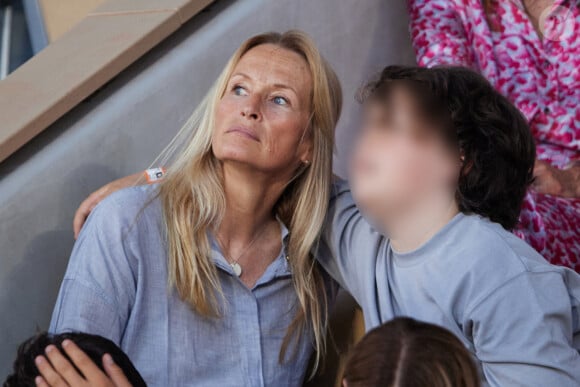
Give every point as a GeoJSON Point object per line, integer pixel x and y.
{"type": "Point", "coordinates": [247, 309]}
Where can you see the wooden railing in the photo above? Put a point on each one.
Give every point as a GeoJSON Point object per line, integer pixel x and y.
{"type": "Point", "coordinates": [82, 60]}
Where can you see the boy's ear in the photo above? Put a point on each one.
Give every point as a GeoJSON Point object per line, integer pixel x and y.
{"type": "Point", "coordinates": [344, 383]}
{"type": "Point", "coordinates": [465, 166]}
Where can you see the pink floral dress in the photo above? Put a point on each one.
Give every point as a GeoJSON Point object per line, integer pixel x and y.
{"type": "Point", "coordinates": [541, 76]}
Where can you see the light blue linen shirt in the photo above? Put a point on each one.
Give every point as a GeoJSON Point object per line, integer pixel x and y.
{"type": "Point", "coordinates": [516, 313]}
{"type": "Point", "coordinates": [116, 286]}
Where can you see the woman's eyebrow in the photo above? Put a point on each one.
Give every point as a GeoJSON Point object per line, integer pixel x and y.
{"type": "Point", "coordinates": [241, 75]}
{"type": "Point", "coordinates": [276, 85]}
{"type": "Point", "coordinates": [284, 86]}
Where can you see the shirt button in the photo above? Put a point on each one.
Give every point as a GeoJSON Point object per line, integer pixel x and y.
{"type": "Point", "coordinates": [546, 63]}
{"type": "Point", "coordinates": [546, 110]}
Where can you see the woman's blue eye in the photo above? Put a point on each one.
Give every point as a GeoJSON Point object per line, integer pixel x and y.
{"type": "Point", "coordinates": [280, 101]}
{"type": "Point", "coordinates": [239, 90]}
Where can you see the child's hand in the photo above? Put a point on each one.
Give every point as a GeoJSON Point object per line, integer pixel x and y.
{"type": "Point", "coordinates": [90, 203]}
{"type": "Point", "coordinates": [57, 371]}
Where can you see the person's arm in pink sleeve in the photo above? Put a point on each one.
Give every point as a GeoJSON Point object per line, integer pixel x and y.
{"type": "Point", "coordinates": [438, 34]}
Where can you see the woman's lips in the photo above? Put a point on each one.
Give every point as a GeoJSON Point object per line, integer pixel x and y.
{"type": "Point", "coordinates": [245, 132]}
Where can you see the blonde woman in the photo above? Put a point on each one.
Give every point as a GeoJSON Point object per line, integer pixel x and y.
{"type": "Point", "coordinates": [207, 278]}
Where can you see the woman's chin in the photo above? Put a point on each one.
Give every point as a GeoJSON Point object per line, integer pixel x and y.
{"type": "Point", "coordinates": [236, 154]}
{"type": "Point", "coordinates": [241, 162]}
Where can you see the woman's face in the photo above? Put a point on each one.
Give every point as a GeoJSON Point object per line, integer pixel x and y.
{"type": "Point", "coordinates": [262, 119]}
{"type": "Point", "coordinates": [399, 160]}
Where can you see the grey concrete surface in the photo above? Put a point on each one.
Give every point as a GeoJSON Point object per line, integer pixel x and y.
{"type": "Point", "coordinates": [121, 129]}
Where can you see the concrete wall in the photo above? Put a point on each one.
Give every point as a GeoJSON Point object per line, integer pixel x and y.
{"type": "Point", "coordinates": [121, 129]}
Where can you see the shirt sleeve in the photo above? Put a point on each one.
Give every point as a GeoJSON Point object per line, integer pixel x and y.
{"type": "Point", "coordinates": [523, 333]}
{"type": "Point", "coordinates": [438, 34]}
{"type": "Point", "coordinates": [98, 289]}
{"type": "Point", "coordinates": [349, 245]}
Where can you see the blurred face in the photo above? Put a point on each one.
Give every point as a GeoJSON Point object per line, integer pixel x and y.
{"type": "Point", "coordinates": [263, 117]}
{"type": "Point", "coordinates": [399, 161]}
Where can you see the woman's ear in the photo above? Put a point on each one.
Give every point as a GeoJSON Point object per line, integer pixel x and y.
{"type": "Point", "coordinates": [344, 383]}
{"type": "Point", "coordinates": [305, 150]}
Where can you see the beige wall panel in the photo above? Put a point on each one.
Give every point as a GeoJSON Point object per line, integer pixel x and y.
{"type": "Point", "coordinates": [61, 15]}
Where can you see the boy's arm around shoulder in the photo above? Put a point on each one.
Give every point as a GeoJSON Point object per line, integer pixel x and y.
{"type": "Point", "coordinates": [149, 176]}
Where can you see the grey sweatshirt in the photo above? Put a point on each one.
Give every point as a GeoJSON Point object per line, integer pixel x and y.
{"type": "Point", "coordinates": [517, 314]}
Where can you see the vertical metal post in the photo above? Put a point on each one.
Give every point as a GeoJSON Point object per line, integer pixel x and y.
{"type": "Point", "coordinates": [6, 40]}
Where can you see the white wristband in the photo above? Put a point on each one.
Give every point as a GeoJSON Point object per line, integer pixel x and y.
{"type": "Point", "coordinates": [153, 175]}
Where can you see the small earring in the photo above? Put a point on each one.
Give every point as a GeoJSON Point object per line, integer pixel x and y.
{"type": "Point", "coordinates": [306, 162]}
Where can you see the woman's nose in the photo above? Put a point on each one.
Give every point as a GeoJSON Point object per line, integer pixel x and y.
{"type": "Point", "coordinates": [251, 109]}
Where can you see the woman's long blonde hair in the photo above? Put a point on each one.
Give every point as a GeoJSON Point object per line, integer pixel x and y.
{"type": "Point", "coordinates": [193, 199]}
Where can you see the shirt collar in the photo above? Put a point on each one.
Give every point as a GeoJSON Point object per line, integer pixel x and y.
{"type": "Point", "coordinates": [424, 251]}
{"type": "Point", "coordinates": [278, 268]}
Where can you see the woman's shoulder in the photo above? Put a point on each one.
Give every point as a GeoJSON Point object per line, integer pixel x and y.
{"type": "Point", "coordinates": [127, 207]}
{"type": "Point", "coordinates": [130, 199]}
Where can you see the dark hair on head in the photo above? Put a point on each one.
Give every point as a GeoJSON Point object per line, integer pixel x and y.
{"type": "Point", "coordinates": [408, 353]}
{"type": "Point", "coordinates": [25, 371]}
{"type": "Point", "coordinates": [493, 137]}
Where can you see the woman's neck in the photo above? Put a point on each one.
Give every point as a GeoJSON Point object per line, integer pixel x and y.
{"type": "Point", "coordinates": [249, 234]}
{"type": "Point", "coordinates": [534, 10]}
{"type": "Point", "coordinates": [250, 200]}
{"type": "Point", "coordinates": [414, 227]}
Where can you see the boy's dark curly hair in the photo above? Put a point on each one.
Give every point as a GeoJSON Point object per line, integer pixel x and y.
{"type": "Point", "coordinates": [490, 133]}
{"type": "Point", "coordinates": [25, 371]}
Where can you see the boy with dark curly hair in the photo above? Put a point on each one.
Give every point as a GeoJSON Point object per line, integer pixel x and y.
{"type": "Point", "coordinates": [441, 168]}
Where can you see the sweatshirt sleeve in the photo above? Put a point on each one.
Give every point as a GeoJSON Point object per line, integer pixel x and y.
{"type": "Point", "coordinates": [99, 285]}
{"type": "Point", "coordinates": [438, 34]}
{"type": "Point", "coordinates": [349, 246]}
{"type": "Point", "coordinates": [523, 332]}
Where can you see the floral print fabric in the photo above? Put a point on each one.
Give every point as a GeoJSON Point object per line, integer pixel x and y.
{"type": "Point", "coordinates": [540, 75]}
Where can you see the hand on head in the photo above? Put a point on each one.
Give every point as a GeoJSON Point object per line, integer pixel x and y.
{"type": "Point", "coordinates": [56, 370]}
{"type": "Point", "coordinates": [72, 359]}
